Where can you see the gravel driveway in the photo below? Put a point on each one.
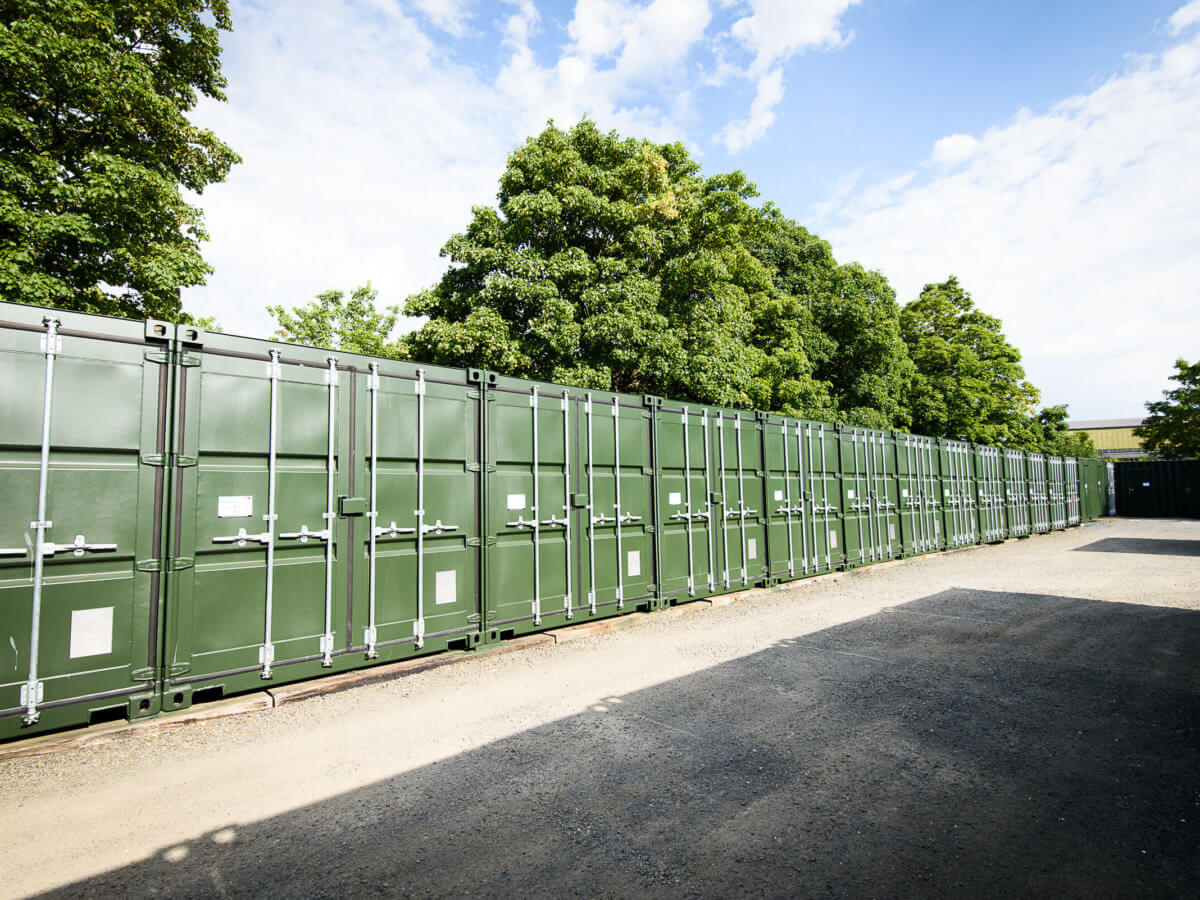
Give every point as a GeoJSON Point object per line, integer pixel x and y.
{"type": "Point", "coordinates": [1017, 719]}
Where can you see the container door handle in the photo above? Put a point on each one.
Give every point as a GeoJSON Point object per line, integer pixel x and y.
{"type": "Point", "coordinates": [241, 538]}
{"type": "Point", "coordinates": [304, 534]}
{"type": "Point", "coordinates": [78, 547]}
{"type": "Point", "coordinates": [437, 528]}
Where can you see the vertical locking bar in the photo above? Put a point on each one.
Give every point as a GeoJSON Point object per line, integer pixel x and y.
{"type": "Point", "coordinates": [616, 418]}
{"type": "Point", "coordinates": [268, 650]}
{"type": "Point", "coordinates": [710, 542]}
{"type": "Point", "coordinates": [737, 430]}
{"type": "Point", "coordinates": [591, 504]}
{"type": "Point", "coordinates": [329, 517]}
{"type": "Point", "coordinates": [687, 487]}
{"type": "Point", "coordinates": [567, 569]}
{"type": "Point", "coordinates": [857, 506]}
{"type": "Point", "coordinates": [33, 688]}
{"type": "Point", "coordinates": [787, 486]}
{"type": "Point", "coordinates": [535, 527]}
{"type": "Point", "coordinates": [812, 492]}
{"type": "Point", "coordinates": [419, 512]}
{"type": "Point", "coordinates": [724, 500]}
{"type": "Point", "coordinates": [825, 502]}
{"type": "Point", "coordinates": [371, 635]}
{"type": "Point", "coordinates": [804, 513]}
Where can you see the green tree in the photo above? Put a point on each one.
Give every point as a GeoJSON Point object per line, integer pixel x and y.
{"type": "Point", "coordinates": [95, 148]}
{"type": "Point", "coordinates": [354, 325]}
{"type": "Point", "coordinates": [842, 322]}
{"type": "Point", "coordinates": [969, 383]}
{"type": "Point", "coordinates": [1172, 430]}
{"type": "Point", "coordinates": [1052, 436]}
{"type": "Point", "coordinates": [608, 263]}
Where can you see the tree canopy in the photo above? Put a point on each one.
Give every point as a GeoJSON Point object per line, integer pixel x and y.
{"type": "Point", "coordinates": [95, 148]}
{"type": "Point", "coordinates": [355, 325]}
{"type": "Point", "coordinates": [1172, 430]}
{"type": "Point", "coordinates": [613, 263]}
{"type": "Point", "coordinates": [969, 383]}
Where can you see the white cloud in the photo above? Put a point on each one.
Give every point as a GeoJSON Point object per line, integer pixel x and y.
{"type": "Point", "coordinates": [772, 32]}
{"type": "Point", "coordinates": [741, 133]}
{"type": "Point", "coordinates": [955, 149]}
{"type": "Point", "coordinates": [1185, 17]}
{"type": "Point", "coordinates": [1077, 226]}
{"type": "Point", "coordinates": [449, 15]}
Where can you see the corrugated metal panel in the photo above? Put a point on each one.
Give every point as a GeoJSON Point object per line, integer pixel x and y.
{"type": "Point", "coordinates": [1158, 488]}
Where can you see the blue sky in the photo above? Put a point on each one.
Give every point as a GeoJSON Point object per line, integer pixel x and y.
{"type": "Point", "coordinates": [1044, 152]}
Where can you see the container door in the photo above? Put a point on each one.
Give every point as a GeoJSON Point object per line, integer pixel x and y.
{"type": "Point", "coordinates": [84, 452]}
{"type": "Point", "coordinates": [265, 429]}
{"type": "Point", "coordinates": [741, 535]}
{"type": "Point", "coordinates": [788, 467]}
{"type": "Point", "coordinates": [613, 467]}
{"type": "Point", "coordinates": [691, 502]}
{"type": "Point", "coordinates": [863, 541]}
{"type": "Point", "coordinates": [417, 585]}
{"type": "Point", "coordinates": [821, 445]}
{"type": "Point", "coordinates": [1038, 496]}
{"type": "Point", "coordinates": [991, 494]}
{"type": "Point", "coordinates": [1016, 492]}
{"type": "Point", "coordinates": [887, 493]}
{"type": "Point", "coordinates": [918, 495]}
{"type": "Point", "coordinates": [1071, 486]}
{"type": "Point", "coordinates": [530, 564]}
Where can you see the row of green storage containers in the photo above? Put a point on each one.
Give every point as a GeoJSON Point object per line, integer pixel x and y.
{"type": "Point", "coordinates": [193, 514]}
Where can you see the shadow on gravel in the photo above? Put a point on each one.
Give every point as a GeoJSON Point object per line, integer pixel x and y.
{"type": "Point", "coordinates": [968, 743]}
{"type": "Point", "coordinates": [1154, 546]}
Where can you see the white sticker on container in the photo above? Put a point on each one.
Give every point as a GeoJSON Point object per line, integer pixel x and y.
{"type": "Point", "coordinates": [235, 507]}
{"type": "Point", "coordinates": [904, 492]}
{"type": "Point", "coordinates": [634, 563]}
{"type": "Point", "coordinates": [446, 587]}
{"type": "Point", "coordinates": [751, 548]}
{"type": "Point", "coordinates": [91, 632]}
{"type": "Point", "coordinates": [515, 501]}
{"type": "Point", "coordinates": [675, 498]}
{"type": "Point", "coordinates": [947, 492]}
{"type": "Point", "coordinates": [779, 495]}
{"type": "Point", "coordinates": [850, 494]}
{"type": "Point", "coordinates": [891, 532]}
{"type": "Point", "coordinates": [833, 540]}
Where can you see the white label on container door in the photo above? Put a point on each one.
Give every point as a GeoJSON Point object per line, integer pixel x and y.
{"type": "Point", "coordinates": [91, 632]}
{"type": "Point", "coordinates": [675, 498]}
{"type": "Point", "coordinates": [515, 501]}
{"type": "Point", "coordinates": [235, 507]}
{"type": "Point", "coordinates": [446, 587]}
{"type": "Point", "coordinates": [634, 564]}
{"type": "Point", "coordinates": [779, 495]}
{"type": "Point", "coordinates": [947, 492]}
{"type": "Point", "coordinates": [833, 540]}
{"type": "Point", "coordinates": [850, 494]}
{"type": "Point", "coordinates": [751, 548]}
{"type": "Point", "coordinates": [904, 493]}
{"type": "Point", "coordinates": [891, 531]}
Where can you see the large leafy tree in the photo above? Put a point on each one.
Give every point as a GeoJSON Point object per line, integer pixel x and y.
{"type": "Point", "coordinates": [95, 148]}
{"type": "Point", "coordinates": [841, 322]}
{"type": "Point", "coordinates": [969, 383]}
{"type": "Point", "coordinates": [332, 320]}
{"type": "Point", "coordinates": [1052, 436]}
{"type": "Point", "coordinates": [1172, 430]}
{"type": "Point", "coordinates": [607, 263]}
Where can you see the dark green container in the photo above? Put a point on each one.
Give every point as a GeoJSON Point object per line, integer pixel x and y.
{"type": "Point", "coordinates": [920, 494]}
{"type": "Point", "coordinates": [991, 494]}
{"type": "Point", "coordinates": [1016, 493]}
{"type": "Point", "coordinates": [84, 402]}
{"type": "Point", "coordinates": [1039, 493]}
{"type": "Point", "coordinates": [871, 514]}
{"type": "Point", "coordinates": [959, 515]}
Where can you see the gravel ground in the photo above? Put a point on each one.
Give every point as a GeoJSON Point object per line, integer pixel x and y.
{"type": "Point", "coordinates": [1018, 719]}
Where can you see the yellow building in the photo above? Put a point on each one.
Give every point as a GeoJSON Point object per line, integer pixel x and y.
{"type": "Point", "coordinates": [1114, 438]}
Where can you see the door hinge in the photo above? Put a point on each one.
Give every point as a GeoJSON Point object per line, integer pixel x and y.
{"type": "Point", "coordinates": [473, 618]}
{"type": "Point", "coordinates": [187, 360]}
{"type": "Point", "coordinates": [180, 563]}
{"type": "Point", "coordinates": [184, 461]}
{"type": "Point", "coordinates": [150, 565]}
{"type": "Point", "coordinates": [162, 357]}
{"type": "Point", "coordinates": [473, 395]}
{"type": "Point", "coordinates": [473, 542]}
{"type": "Point", "coordinates": [473, 467]}
{"type": "Point", "coordinates": [178, 669]}
{"type": "Point", "coordinates": [148, 673]}
{"type": "Point", "coordinates": [155, 459]}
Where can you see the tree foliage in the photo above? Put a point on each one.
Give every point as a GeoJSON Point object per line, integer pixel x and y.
{"type": "Point", "coordinates": [608, 263]}
{"type": "Point", "coordinates": [354, 325]}
{"type": "Point", "coordinates": [1172, 430]}
{"type": "Point", "coordinates": [969, 383]}
{"type": "Point", "coordinates": [95, 148]}
{"type": "Point", "coordinates": [1053, 437]}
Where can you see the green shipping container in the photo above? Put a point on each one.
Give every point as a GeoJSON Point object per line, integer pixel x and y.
{"type": "Point", "coordinates": [1016, 492]}
{"type": "Point", "coordinates": [798, 529]}
{"type": "Point", "coordinates": [1071, 485]}
{"type": "Point", "coordinates": [85, 404]}
{"type": "Point", "coordinates": [1039, 493]}
{"type": "Point", "coordinates": [990, 489]}
{"type": "Point", "coordinates": [871, 521]}
{"type": "Point", "coordinates": [920, 493]}
{"type": "Point", "coordinates": [958, 493]}
{"type": "Point", "coordinates": [1056, 492]}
